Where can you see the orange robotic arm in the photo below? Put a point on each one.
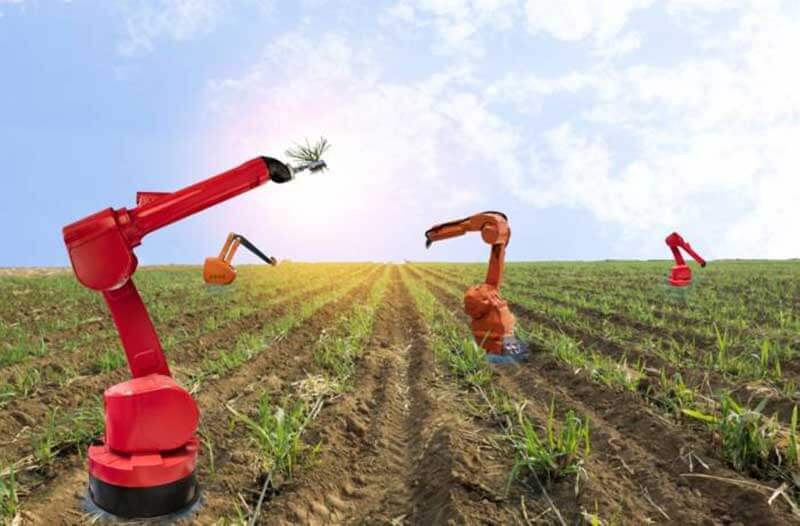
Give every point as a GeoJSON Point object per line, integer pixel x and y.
{"type": "Point", "coordinates": [220, 271]}
{"type": "Point", "coordinates": [494, 230]}
{"type": "Point", "coordinates": [492, 321]}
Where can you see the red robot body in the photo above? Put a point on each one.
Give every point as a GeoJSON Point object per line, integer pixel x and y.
{"type": "Point", "coordinates": [681, 274]}
{"type": "Point", "coordinates": [146, 463]}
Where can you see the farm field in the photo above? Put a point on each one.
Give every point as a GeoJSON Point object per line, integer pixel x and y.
{"type": "Point", "coordinates": [352, 393]}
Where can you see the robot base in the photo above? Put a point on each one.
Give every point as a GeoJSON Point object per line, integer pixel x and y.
{"type": "Point", "coordinates": [680, 276]}
{"type": "Point", "coordinates": [143, 486]}
{"type": "Point", "coordinates": [145, 502]}
{"type": "Point", "coordinates": [513, 351]}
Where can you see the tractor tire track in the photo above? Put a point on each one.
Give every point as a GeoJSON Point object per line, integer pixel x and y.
{"type": "Point", "coordinates": [398, 449]}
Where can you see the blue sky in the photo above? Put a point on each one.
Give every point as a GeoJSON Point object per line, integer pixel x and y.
{"type": "Point", "coordinates": [598, 127]}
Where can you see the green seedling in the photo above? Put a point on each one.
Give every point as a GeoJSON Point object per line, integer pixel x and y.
{"type": "Point", "coordinates": [110, 360]}
{"type": "Point", "coordinates": [555, 453]}
{"type": "Point", "coordinates": [307, 152]}
{"type": "Point", "coordinates": [276, 430]}
{"type": "Point", "coordinates": [468, 361]}
{"type": "Point", "coordinates": [723, 343]}
{"type": "Point", "coordinates": [749, 438]}
{"type": "Point", "coordinates": [9, 500]}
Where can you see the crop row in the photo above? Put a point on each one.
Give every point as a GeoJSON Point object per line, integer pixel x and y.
{"type": "Point", "coordinates": [719, 356]}
{"type": "Point", "coordinates": [64, 431]}
{"type": "Point", "coordinates": [750, 440]}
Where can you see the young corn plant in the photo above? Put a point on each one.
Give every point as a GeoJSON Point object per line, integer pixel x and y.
{"type": "Point", "coordinates": [109, 360]}
{"type": "Point", "coordinates": [751, 441]}
{"type": "Point", "coordinates": [337, 352]}
{"type": "Point", "coordinates": [338, 357]}
{"type": "Point", "coordinates": [46, 441]}
{"type": "Point", "coordinates": [468, 361]}
{"type": "Point", "coordinates": [556, 453]}
{"type": "Point", "coordinates": [723, 343]}
{"type": "Point", "coordinates": [277, 430]}
{"type": "Point", "coordinates": [791, 448]}
{"type": "Point", "coordinates": [749, 438]}
{"type": "Point", "coordinates": [9, 500]}
{"type": "Point", "coordinates": [69, 431]}
{"type": "Point", "coordinates": [672, 394]}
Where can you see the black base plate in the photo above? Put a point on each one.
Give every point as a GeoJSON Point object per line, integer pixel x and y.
{"type": "Point", "coordinates": [514, 351]}
{"type": "Point", "coordinates": [145, 502]}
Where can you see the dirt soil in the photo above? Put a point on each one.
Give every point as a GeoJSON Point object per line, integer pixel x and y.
{"type": "Point", "coordinates": [407, 444]}
{"type": "Point", "coordinates": [640, 461]}
{"type": "Point", "coordinates": [401, 448]}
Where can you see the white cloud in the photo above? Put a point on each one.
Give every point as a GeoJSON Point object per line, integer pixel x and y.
{"type": "Point", "coordinates": [146, 23]}
{"type": "Point", "coordinates": [9, 2]}
{"type": "Point", "coordinates": [704, 145]}
{"type": "Point", "coordinates": [399, 150]}
{"type": "Point", "coordinates": [460, 26]}
{"type": "Point", "coordinates": [574, 20]}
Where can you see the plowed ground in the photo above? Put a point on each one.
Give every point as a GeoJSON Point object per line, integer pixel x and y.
{"type": "Point", "coordinates": [406, 443]}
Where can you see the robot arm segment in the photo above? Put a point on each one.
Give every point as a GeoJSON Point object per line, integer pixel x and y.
{"type": "Point", "coordinates": [674, 242]}
{"type": "Point", "coordinates": [494, 230]}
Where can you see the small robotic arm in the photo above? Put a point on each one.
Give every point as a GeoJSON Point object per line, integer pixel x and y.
{"type": "Point", "coordinates": [219, 270]}
{"type": "Point", "coordinates": [492, 321]}
{"type": "Point", "coordinates": [681, 274]}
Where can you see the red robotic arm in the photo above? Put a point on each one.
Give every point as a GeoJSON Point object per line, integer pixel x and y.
{"type": "Point", "coordinates": [681, 274]}
{"type": "Point", "coordinates": [101, 250]}
{"type": "Point", "coordinates": [146, 465]}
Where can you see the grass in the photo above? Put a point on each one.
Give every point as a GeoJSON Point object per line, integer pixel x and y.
{"type": "Point", "coordinates": [557, 452]}
{"type": "Point", "coordinates": [276, 431]}
{"type": "Point", "coordinates": [22, 382]}
{"type": "Point", "coordinates": [552, 453]}
{"type": "Point", "coordinates": [21, 350]}
{"type": "Point", "coordinates": [68, 431]}
{"type": "Point", "coordinates": [110, 360]}
{"type": "Point", "coordinates": [9, 500]}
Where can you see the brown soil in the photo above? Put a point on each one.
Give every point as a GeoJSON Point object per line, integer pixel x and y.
{"type": "Point", "coordinates": [400, 448]}
{"type": "Point", "coordinates": [408, 444]}
{"type": "Point", "coordinates": [62, 486]}
{"type": "Point", "coordinates": [707, 380]}
{"type": "Point", "coordinates": [637, 455]}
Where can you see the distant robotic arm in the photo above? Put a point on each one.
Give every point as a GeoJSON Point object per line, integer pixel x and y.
{"type": "Point", "coordinates": [681, 274]}
{"type": "Point", "coordinates": [219, 270]}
